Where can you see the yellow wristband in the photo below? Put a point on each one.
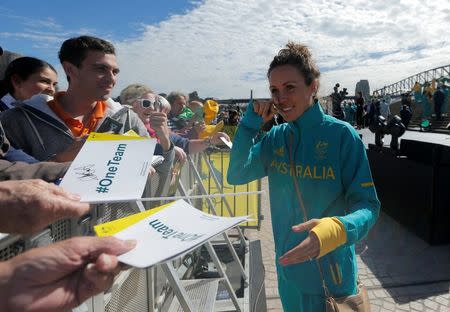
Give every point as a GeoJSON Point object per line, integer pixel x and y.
{"type": "Point", "coordinates": [331, 234]}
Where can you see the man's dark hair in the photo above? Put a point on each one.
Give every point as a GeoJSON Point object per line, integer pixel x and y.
{"type": "Point", "coordinates": [74, 50]}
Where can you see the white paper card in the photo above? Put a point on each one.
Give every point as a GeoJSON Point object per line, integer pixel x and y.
{"type": "Point", "coordinates": [227, 143]}
{"type": "Point", "coordinates": [110, 170]}
{"type": "Point", "coordinates": [171, 232]}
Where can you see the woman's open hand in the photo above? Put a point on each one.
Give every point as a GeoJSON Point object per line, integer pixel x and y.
{"type": "Point", "coordinates": [307, 250]}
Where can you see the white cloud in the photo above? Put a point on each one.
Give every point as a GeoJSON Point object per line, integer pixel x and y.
{"type": "Point", "coordinates": [223, 48]}
{"type": "Point", "coordinates": [48, 23]}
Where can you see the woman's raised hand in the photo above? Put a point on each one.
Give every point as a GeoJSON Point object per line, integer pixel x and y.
{"type": "Point", "coordinates": [264, 108]}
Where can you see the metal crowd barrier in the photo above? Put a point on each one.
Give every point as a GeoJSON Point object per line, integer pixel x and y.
{"type": "Point", "coordinates": [140, 289]}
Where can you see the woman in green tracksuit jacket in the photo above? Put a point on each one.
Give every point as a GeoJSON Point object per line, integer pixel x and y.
{"type": "Point", "coordinates": [332, 170]}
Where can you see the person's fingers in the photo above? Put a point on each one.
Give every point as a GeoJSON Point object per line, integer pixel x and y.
{"type": "Point", "coordinates": [158, 119]}
{"type": "Point", "coordinates": [256, 106]}
{"type": "Point", "coordinates": [262, 108]}
{"type": "Point", "coordinates": [294, 258]}
{"type": "Point", "coordinates": [55, 202]}
{"type": "Point", "coordinates": [35, 185]}
{"type": "Point", "coordinates": [59, 191]}
{"type": "Point", "coordinates": [273, 109]}
{"type": "Point", "coordinates": [305, 251]}
{"type": "Point", "coordinates": [107, 264]}
{"type": "Point", "coordinates": [295, 254]}
{"type": "Point", "coordinates": [92, 247]}
{"type": "Point", "coordinates": [97, 281]}
{"type": "Point", "coordinates": [158, 114]}
{"type": "Point", "coordinates": [181, 155]}
{"type": "Point", "coordinates": [222, 134]}
{"type": "Point", "coordinates": [265, 109]}
{"type": "Point", "coordinates": [270, 112]}
{"type": "Point", "coordinates": [306, 226]}
{"type": "Point", "coordinates": [64, 208]}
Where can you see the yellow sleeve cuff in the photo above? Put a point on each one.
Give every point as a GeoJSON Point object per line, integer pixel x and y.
{"type": "Point", "coordinates": [331, 234]}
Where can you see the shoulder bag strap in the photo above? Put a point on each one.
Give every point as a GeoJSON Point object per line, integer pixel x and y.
{"type": "Point", "coordinates": [302, 206]}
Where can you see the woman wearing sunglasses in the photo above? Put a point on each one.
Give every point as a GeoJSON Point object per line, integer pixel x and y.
{"type": "Point", "coordinates": [141, 97]}
{"type": "Point", "coordinates": [322, 196]}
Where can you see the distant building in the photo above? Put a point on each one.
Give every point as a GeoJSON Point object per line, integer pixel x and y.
{"type": "Point", "coordinates": [363, 86]}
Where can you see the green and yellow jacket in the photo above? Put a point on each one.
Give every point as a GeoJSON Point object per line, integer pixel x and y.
{"type": "Point", "coordinates": [332, 169]}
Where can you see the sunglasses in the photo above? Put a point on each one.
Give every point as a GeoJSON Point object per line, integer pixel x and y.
{"type": "Point", "coordinates": [145, 103]}
{"type": "Point", "coordinates": [153, 104]}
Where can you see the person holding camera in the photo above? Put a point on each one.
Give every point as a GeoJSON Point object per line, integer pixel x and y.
{"type": "Point", "coordinates": [337, 97]}
{"type": "Point", "coordinates": [322, 195]}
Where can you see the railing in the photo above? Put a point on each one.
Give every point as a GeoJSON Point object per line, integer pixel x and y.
{"type": "Point", "coordinates": [148, 289]}
{"type": "Point", "coordinates": [407, 84]}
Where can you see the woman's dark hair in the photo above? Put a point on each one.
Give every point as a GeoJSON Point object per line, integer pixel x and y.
{"type": "Point", "coordinates": [23, 67]}
{"type": "Point", "coordinates": [299, 56]}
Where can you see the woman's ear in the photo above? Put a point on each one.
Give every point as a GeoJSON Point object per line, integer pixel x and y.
{"type": "Point", "coordinates": [314, 87]}
{"type": "Point", "coordinates": [16, 81]}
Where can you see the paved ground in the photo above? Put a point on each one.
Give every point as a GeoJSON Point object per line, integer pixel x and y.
{"type": "Point", "coordinates": [401, 272]}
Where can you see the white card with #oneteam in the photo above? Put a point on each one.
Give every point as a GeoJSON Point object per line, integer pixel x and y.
{"type": "Point", "coordinates": [110, 168]}
{"type": "Point", "coordinates": [171, 232]}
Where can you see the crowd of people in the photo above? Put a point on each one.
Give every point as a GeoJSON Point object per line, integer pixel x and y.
{"type": "Point", "coordinates": [360, 112]}
{"type": "Point", "coordinates": [323, 199]}
{"type": "Point", "coordinates": [41, 132]}
{"type": "Point", "coordinates": [432, 95]}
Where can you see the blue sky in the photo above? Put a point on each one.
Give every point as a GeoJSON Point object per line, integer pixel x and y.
{"type": "Point", "coordinates": [222, 48]}
{"type": "Point", "coordinates": [108, 19]}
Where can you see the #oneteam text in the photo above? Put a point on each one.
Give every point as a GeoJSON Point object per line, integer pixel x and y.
{"type": "Point", "coordinates": [112, 167]}
{"type": "Point", "coordinates": [167, 232]}
{"type": "Point", "coordinates": [305, 171]}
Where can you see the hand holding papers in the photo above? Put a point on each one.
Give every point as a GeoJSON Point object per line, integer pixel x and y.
{"type": "Point", "coordinates": [110, 167]}
{"type": "Point", "coordinates": [172, 231]}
